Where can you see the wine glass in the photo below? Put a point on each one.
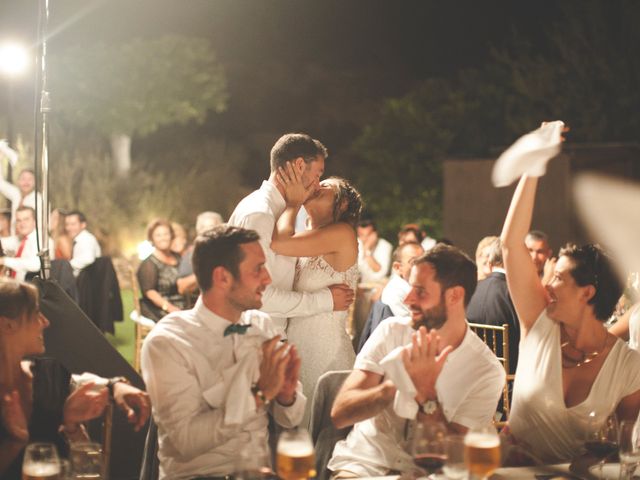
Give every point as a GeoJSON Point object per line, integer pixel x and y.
{"type": "Point", "coordinates": [295, 457]}
{"type": "Point", "coordinates": [482, 451]}
{"type": "Point", "coordinates": [428, 446]}
{"type": "Point", "coordinates": [87, 460]}
{"type": "Point", "coordinates": [40, 462]}
{"type": "Point", "coordinates": [629, 448]}
{"type": "Point", "coordinates": [602, 437]}
{"type": "Point", "coordinates": [454, 466]}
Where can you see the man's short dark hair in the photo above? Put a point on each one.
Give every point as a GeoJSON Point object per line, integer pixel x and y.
{"type": "Point", "coordinates": [411, 228]}
{"type": "Point", "coordinates": [24, 208]}
{"type": "Point", "coordinates": [219, 247]}
{"type": "Point", "coordinates": [453, 268]}
{"type": "Point", "coordinates": [368, 222]}
{"type": "Point", "coordinates": [79, 214]}
{"type": "Point", "coordinates": [592, 266]}
{"type": "Point", "coordinates": [294, 145]}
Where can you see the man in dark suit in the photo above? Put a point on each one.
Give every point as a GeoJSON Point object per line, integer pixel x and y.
{"type": "Point", "coordinates": [491, 303]}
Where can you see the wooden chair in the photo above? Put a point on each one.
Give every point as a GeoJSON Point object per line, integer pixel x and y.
{"type": "Point", "coordinates": [143, 324]}
{"type": "Point", "coordinates": [497, 339]}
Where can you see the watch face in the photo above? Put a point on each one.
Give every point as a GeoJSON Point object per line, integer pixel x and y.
{"type": "Point", "coordinates": [429, 407]}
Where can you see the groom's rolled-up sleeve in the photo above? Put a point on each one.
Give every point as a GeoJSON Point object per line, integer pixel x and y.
{"type": "Point", "coordinates": [276, 301]}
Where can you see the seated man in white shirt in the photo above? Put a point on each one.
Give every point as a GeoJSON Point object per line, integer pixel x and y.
{"type": "Point", "coordinates": [397, 289]}
{"type": "Point", "coordinates": [214, 372]}
{"type": "Point", "coordinates": [462, 392]}
{"type": "Point", "coordinates": [85, 246]}
{"type": "Point", "coordinates": [23, 246]}
{"type": "Point", "coordinates": [374, 253]}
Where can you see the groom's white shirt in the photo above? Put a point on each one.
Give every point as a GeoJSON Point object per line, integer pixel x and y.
{"type": "Point", "coordinates": [259, 211]}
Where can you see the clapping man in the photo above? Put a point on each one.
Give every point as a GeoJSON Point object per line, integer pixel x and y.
{"type": "Point", "coordinates": [216, 371]}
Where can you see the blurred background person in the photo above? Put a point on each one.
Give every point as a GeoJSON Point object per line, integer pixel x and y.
{"type": "Point", "coordinates": [5, 222]}
{"type": "Point", "coordinates": [62, 243]}
{"type": "Point", "coordinates": [158, 274]}
{"type": "Point", "coordinates": [22, 249]}
{"type": "Point", "coordinates": [85, 245]}
{"type": "Point", "coordinates": [180, 239]}
{"type": "Point", "coordinates": [374, 253]}
{"type": "Point", "coordinates": [21, 194]}
{"type": "Point", "coordinates": [481, 256]}
{"type": "Point", "coordinates": [410, 233]}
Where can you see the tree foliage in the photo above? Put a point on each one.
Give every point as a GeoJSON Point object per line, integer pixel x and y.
{"type": "Point", "coordinates": [134, 88]}
{"type": "Point", "coordinates": [586, 72]}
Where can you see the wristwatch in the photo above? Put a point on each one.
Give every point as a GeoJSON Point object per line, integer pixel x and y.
{"type": "Point", "coordinates": [112, 381]}
{"type": "Point", "coordinates": [429, 407]}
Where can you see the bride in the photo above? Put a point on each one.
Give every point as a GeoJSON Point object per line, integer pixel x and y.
{"type": "Point", "coordinates": [329, 255]}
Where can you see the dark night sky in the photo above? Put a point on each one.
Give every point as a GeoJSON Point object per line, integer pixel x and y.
{"type": "Point", "coordinates": [392, 45]}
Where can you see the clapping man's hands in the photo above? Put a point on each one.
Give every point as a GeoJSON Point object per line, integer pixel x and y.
{"type": "Point", "coordinates": [279, 371]}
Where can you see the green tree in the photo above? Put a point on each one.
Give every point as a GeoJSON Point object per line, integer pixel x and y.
{"type": "Point", "coordinates": [134, 88]}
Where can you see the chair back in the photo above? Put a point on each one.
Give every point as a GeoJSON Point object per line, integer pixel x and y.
{"type": "Point", "coordinates": [324, 434]}
{"type": "Point", "coordinates": [150, 469]}
{"type": "Point", "coordinates": [496, 337]}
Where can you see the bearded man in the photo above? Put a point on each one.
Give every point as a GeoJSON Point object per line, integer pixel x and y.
{"type": "Point", "coordinates": [457, 379]}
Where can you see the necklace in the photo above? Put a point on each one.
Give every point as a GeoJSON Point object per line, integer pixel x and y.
{"type": "Point", "coordinates": [585, 357]}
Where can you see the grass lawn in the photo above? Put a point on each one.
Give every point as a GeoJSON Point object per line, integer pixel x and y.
{"type": "Point", "coordinates": [124, 338]}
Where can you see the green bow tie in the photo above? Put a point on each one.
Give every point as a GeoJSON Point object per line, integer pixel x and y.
{"type": "Point", "coordinates": [236, 328]}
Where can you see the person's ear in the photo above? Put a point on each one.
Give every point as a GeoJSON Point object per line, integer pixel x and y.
{"type": "Point", "coordinates": [396, 267]}
{"type": "Point", "coordinates": [222, 277]}
{"type": "Point", "coordinates": [298, 164]}
{"type": "Point", "coordinates": [7, 325]}
{"type": "Point", "coordinates": [588, 292]}
{"type": "Point", "coordinates": [454, 295]}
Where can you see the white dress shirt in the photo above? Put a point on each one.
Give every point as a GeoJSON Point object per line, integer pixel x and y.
{"type": "Point", "coordinates": [393, 295]}
{"type": "Point", "coordinates": [85, 251]}
{"type": "Point", "coordinates": [259, 211]}
{"type": "Point", "coordinates": [28, 260]}
{"type": "Point", "coordinates": [382, 255]}
{"type": "Point", "coordinates": [468, 390]}
{"type": "Point", "coordinates": [199, 382]}
{"type": "Point", "coordinates": [12, 193]}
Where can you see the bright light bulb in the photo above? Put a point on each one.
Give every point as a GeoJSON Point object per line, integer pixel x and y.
{"type": "Point", "coordinates": [13, 59]}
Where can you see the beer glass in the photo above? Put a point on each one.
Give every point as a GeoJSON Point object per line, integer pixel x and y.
{"type": "Point", "coordinates": [602, 438]}
{"type": "Point", "coordinates": [295, 457]}
{"type": "Point", "coordinates": [428, 447]}
{"type": "Point", "coordinates": [87, 460]}
{"type": "Point", "coordinates": [629, 448]}
{"type": "Point", "coordinates": [482, 451]}
{"type": "Point", "coordinates": [41, 462]}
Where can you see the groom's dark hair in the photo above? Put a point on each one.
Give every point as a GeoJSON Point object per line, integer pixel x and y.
{"type": "Point", "coordinates": [219, 247]}
{"type": "Point", "coordinates": [294, 145]}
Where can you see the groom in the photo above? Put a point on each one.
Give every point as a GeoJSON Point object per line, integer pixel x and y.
{"type": "Point", "coordinates": [261, 209]}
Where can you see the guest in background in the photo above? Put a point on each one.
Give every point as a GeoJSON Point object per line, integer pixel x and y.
{"type": "Point", "coordinates": [397, 289]}
{"type": "Point", "coordinates": [374, 253]}
{"type": "Point", "coordinates": [537, 243]}
{"type": "Point", "coordinates": [5, 223]}
{"type": "Point", "coordinates": [63, 245]}
{"type": "Point", "coordinates": [22, 194]}
{"type": "Point", "coordinates": [85, 246]}
{"type": "Point", "coordinates": [481, 256]}
{"type": "Point", "coordinates": [410, 233]}
{"type": "Point", "coordinates": [158, 274]}
{"type": "Point", "coordinates": [180, 239]}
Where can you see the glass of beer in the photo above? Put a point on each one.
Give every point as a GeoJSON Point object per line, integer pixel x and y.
{"type": "Point", "coordinates": [41, 462]}
{"type": "Point", "coordinates": [295, 457]}
{"type": "Point", "coordinates": [482, 451]}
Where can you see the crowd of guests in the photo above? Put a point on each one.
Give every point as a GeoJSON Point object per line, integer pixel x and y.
{"type": "Point", "coordinates": [271, 319]}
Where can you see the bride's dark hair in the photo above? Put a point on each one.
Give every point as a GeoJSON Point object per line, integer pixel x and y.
{"type": "Point", "coordinates": [347, 204]}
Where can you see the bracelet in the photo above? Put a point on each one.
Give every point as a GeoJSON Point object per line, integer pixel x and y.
{"type": "Point", "coordinates": [255, 390]}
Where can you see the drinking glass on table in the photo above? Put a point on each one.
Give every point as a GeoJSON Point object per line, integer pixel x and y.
{"type": "Point", "coordinates": [428, 446]}
{"type": "Point", "coordinates": [295, 457]}
{"type": "Point", "coordinates": [87, 460]}
{"type": "Point", "coordinates": [602, 437]}
{"type": "Point", "coordinates": [41, 462]}
{"type": "Point", "coordinates": [482, 451]}
{"type": "Point", "coordinates": [629, 448]}
{"type": "Point", "coordinates": [454, 466]}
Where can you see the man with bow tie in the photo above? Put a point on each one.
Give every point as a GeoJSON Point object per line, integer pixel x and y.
{"type": "Point", "coordinates": [214, 372]}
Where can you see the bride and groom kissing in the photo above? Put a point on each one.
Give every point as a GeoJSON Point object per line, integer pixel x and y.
{"type": "Point", "coordinates": [314, 272]}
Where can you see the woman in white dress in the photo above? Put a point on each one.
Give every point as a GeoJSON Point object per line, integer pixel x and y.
{"type": "Point", "coordinates": [328, 253]}
{"type": "Point", "coordinates": [571, 369]}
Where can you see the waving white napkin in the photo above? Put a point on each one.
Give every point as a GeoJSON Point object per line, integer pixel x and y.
{"type": "Point", "coordinates": [610, 209]}
{"type": "Point", "coordinates": [7, 151]}
{"type": "Point", "coordinates": [528, 155]}
{"type": "Point", "coordinates": [404, 403]}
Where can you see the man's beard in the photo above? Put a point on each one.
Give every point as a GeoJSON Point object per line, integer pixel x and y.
{"type": "Point", "coordinates": [434, 317]}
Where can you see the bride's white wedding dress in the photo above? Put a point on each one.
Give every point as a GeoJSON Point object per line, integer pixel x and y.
{"type": "Point", "coordinates": [322, 340]}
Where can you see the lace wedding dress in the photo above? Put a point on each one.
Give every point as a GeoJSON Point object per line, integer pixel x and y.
{"type": "Point", "coordinates": [322, 340]}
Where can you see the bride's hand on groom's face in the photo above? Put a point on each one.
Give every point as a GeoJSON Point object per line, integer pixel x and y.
{"type": "Point", "coordinates": [290, 178]}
